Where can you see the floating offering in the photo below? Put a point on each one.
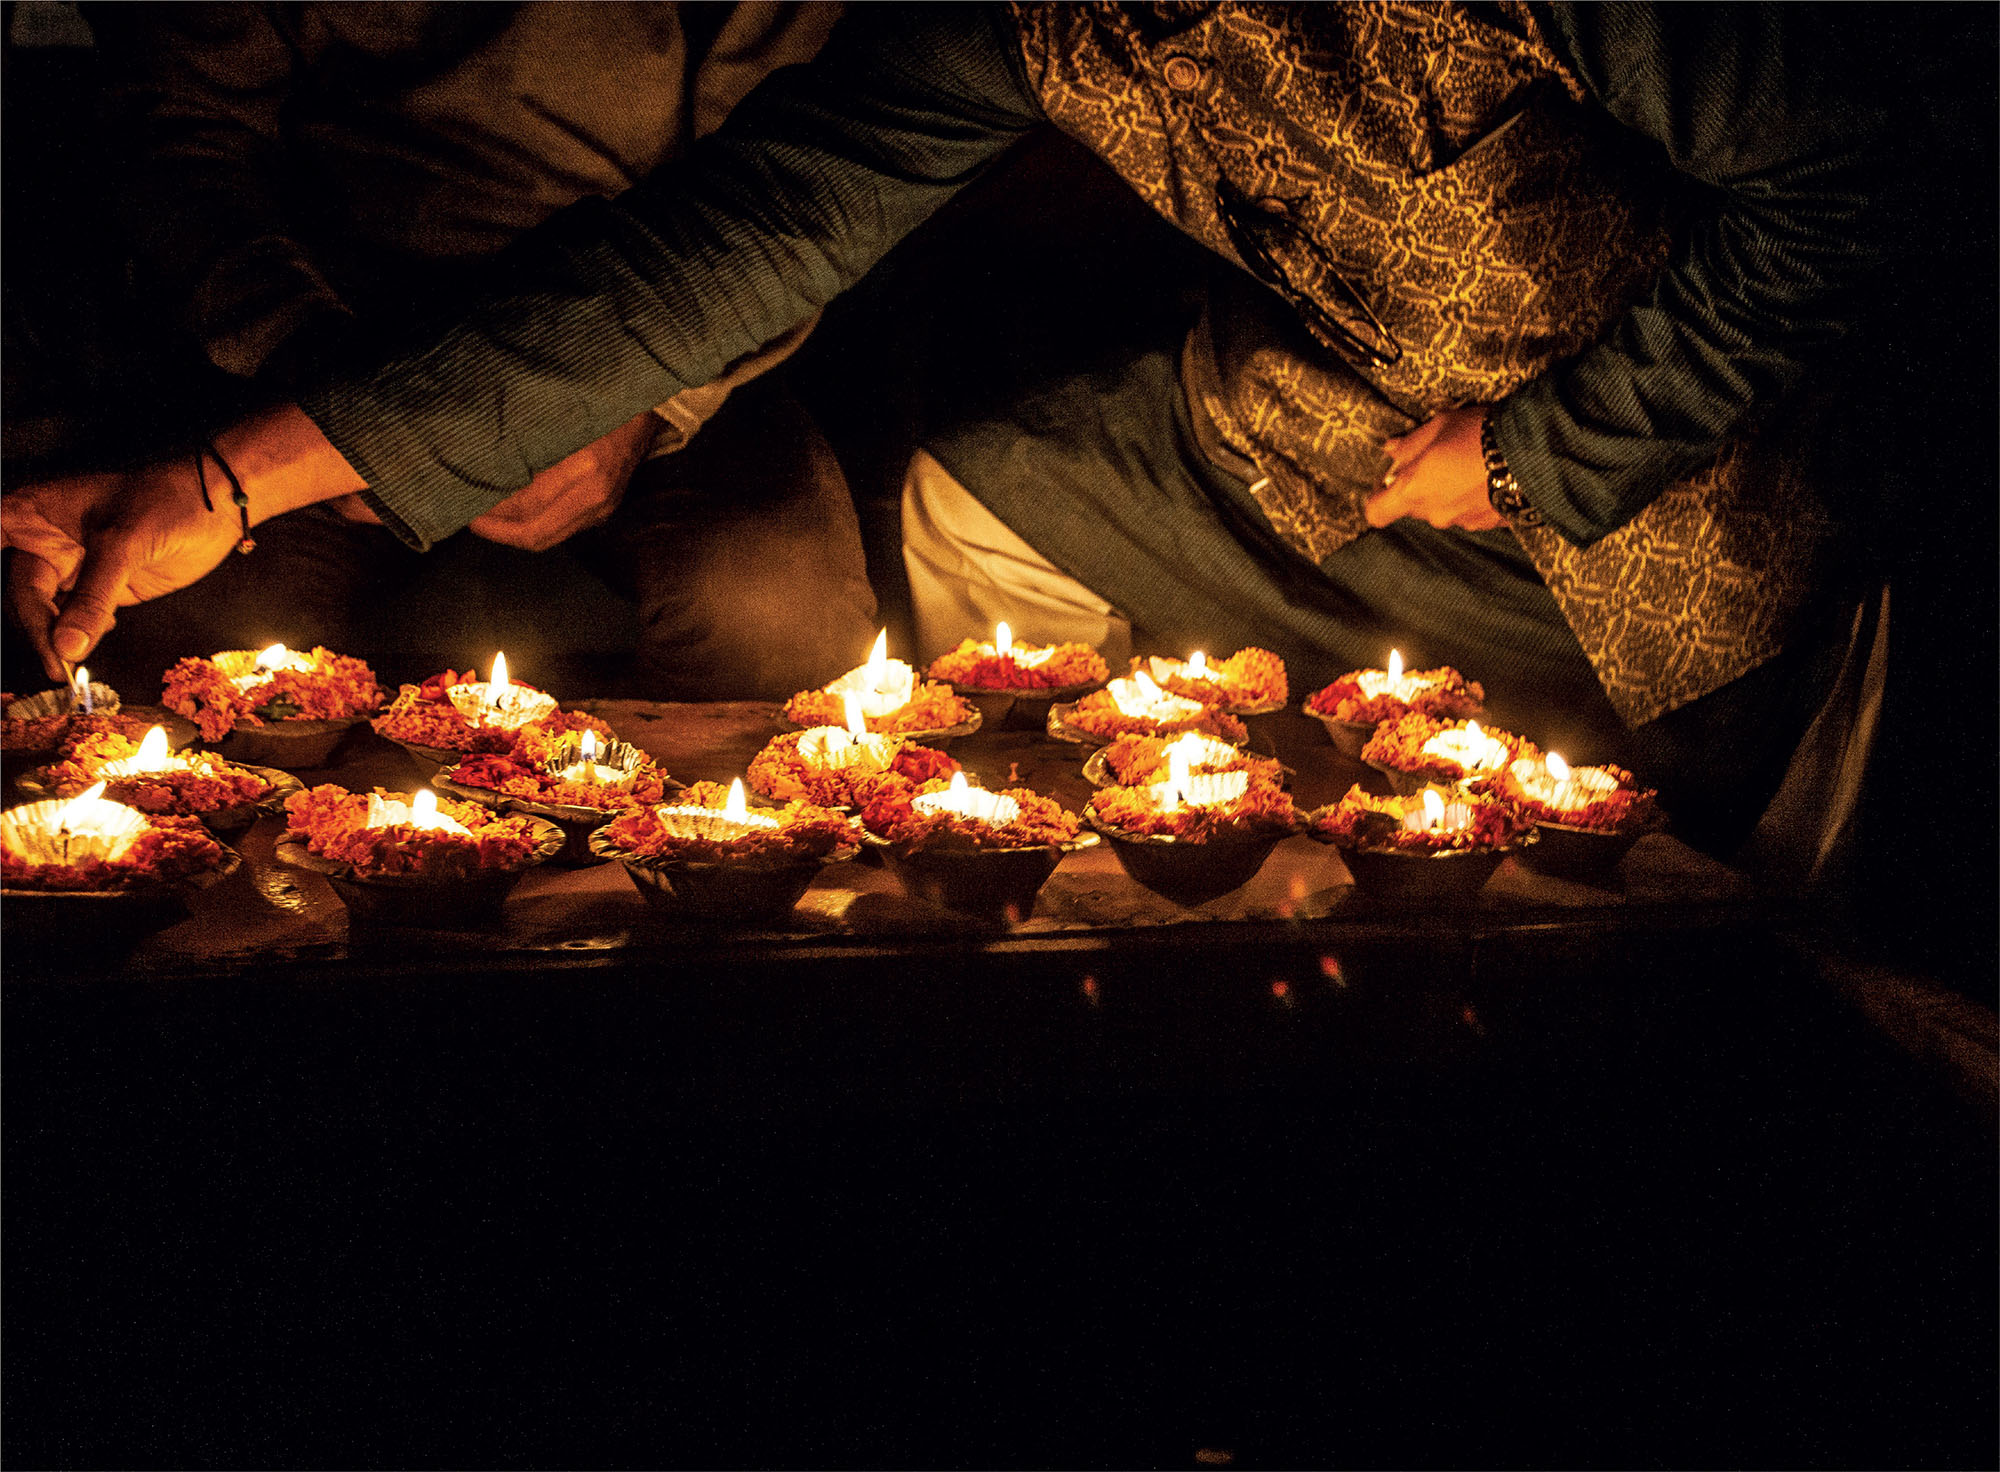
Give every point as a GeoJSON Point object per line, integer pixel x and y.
{"type": "Point", "coordinates": [963, 847]}
{"type": "Point", "coordinates": [577, 780]}
{"type": "Point", "coordinates": [1250, 682]}
{"type": "Point", "coordinates": [153, 778]}
{"type": "Point", "coordinates": [1141, 761]}
{"type": "Point", "coordinates": [275, 706]}
{"type": "Point", "coordinates": [453, 713]}
{"type": "Point", "coordinates": [891, 701]}
{"type": "Point", "coordinates": [1588, 817]}
{"type": "Point", "coordinates": [89, 844]}
{"type": "Point", "coordinates": [1360, 700]}
{"type": "Point", "coordinates": [841, 766]}
{"type": "Point", "coordinates": [1417, 749]}
{"type": "Point", "coordinates": [49, 720]}
{"type": "Point", "coordinates": [1195, 835]}
{"type": "Point", "coordinates": [1139, 706]}
{"type": "Point", "coordinates": [1432, 845]}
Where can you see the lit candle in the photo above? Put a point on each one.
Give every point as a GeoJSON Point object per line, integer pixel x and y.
{"type": "Point", "coordinates": [1469, 746]}
{"type": "Point", "coordinates": [1392, 681]}
{"type": "Point", "coordinates": [1195, 667]}
{"type": "Point", "coordinates": [733, 821]}
{"type": "Point", "coordinates": [883, 685]}
{"type": "Point", "coordinates": [1201, 790]}
{"type": "Point", "coordinates": [1003, 646]}
{"type": "Point", "coordinates": [1141, 699]}
{"type": "Point", "coordinates": [963, 800]}
{"type": "Point", "coordinates": [499, 702]}
{"type": "Point", "coordinates": [1557, 784]}
{"type": "Point", "coordinates": [1203, 753]}
{"type": "Point", "coordinates": [1436, 813]}
{"type": "Point", "coordinates": [422, 812]}
{"type": "Point", "coordinates": [152, 756]}
{"type": "Point", "coordinates": [87, 826]}
{"type": "Point", "coordinates": [270, 659]}
{"type": "Point", "coordinates": [835, 749]}
{"type": "Point", "coordinates": [586, 767]}
{"type": "Point", "coordinates": [79, 691]}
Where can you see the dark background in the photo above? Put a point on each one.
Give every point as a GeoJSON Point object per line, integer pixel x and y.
{"type": "Point", "coordinates": [536, 1219]}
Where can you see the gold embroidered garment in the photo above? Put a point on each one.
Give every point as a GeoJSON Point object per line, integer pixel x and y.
{"type": "Point", "coordinates": [1426, 184]}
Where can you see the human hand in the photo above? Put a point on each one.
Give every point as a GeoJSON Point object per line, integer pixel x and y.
{"type": "Point", "coordinates": [575, 493]}
{"type": "Point", "coordinates": [87, 545]}
{"type": "Point", "coordinates": [1437, 473]}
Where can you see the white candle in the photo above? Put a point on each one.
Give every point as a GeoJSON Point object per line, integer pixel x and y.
{"type": "Point", "coordinates": [1469, 746]}
{"type": "Point", "coordinates": [87, 826]}
{"type": "Point", "coordinates": [1201, 790]}
{"type": "Point", "coordinates": [421, 812]}
{"type": "Point", "coordinates": [1377, 683]}
{"type": "Point", "coordinates": [1141, 699]}
{"type": "Point", "coordinates": [1436, 813]}
{"type": "Point", "coordinates": [1003, 646]}
{"type": "Point", "coordinates": [963, 800]}
{"type": "Point", "coordinates": [499, 702]}
{"type": "Point", "coordinates": [883, 685]}
{"type": "Point", "coordinates": [587, 769]}
{"type": "Point", "coordinates": [1194, 667]}
{"type": "Point", "coordinates": [1557, 784]}
{"type": "Point", "coordinates": [733, 821]}
{"type": "Point", "coordinates": [152, 756]}
{"type": "Point", "coordinates": [270, 659]}
{"type": "Point", "coordinates": [80, 692]}
{"type": "Point", "coordinates": [831, 748]}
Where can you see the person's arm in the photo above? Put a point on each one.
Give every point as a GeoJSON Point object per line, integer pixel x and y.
{"type": "Point", "coordinates": [195, 98]}
{"type": "Point", "coordinates": [614, 306]}
{"type": "Point", "coordinates": [1748, 100]}
{"type": "Point", "coordinates": [1744, 100]}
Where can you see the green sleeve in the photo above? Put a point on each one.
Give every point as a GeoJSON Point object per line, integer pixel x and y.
{"type": "Point", "coordinates": [614, 306]}
{"type": "Point", "coordinates": [1790, 162]}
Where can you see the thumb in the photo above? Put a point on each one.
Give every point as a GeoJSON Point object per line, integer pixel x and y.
{"type": "Point", "coordinates": [1405, 448]}
{"type": "Point", "coordinates": [91, 608]}
{"type": "Point", "coordinates": [1389, 504]}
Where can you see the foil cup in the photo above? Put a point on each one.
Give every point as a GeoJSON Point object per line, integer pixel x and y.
{"type": "Point", "coordinates": [294, 746]}
{"type": "Point", "coordinates": [1022, 710]}
{"type": "Point", "coordinates": [1059, 728]}
{"type": "Point", "coordinates": [939, 738]}
{"type": "Point", "coordinates": [1348, 737]}
{"type": "Point", "coordinates": [222, 822]}
{"type": "Point", "coordinates": [576, 823]}
{"type": "Point", "coordinates": [1185, 872]}
{"type": "Point", "coordinates": [460, 902]}
{"type": "Point", "coordinates": [718, 893]}
{"type": "Point", "coordinates": [993, 883]}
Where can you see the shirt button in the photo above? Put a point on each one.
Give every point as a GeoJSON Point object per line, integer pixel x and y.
{"type": "Point", "coordinates": [1183, 73]}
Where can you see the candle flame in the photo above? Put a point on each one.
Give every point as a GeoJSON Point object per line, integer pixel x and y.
{"type": "Point", "coordinates": [1197, 665]}
{"type": "Point", "coordinates": [734, 807]}
{"type": "Point", "coordinates": [1558, 768]}
{"type": "Point", "coordinates": [1472, 730]}
{"type": "Point", "coordinates": [152, 755]}
{"type": "Point", "coordinates": [857, 723]}
{"type": "Point", "coordinates": [1395, 665]}
{"type": "Point", "coordinates": [1179, 777]}
{"type": "Point", "coordinates": [77, 806]}
{"type": "Point", "coordinates": [79, 687]}
{"type": "Point", "coordinates": [958, 782]}
{"type": "Point", "coordinates": [273, 657]}
{"type": "Point", "coordinates": [1433, 808]}
{"type": "Point", "coordinates": [424, 807]}
{"type": "Point", "coordinates": [1003, 638]}
{"type": "Point", "coordinates": [586, 748]}
{"type": "Point", "coordinates": [497, 686]}
{"type": "Point", "coordinates": [878, 659]}
{"type": "Point", "coordinates": [1146, 686]}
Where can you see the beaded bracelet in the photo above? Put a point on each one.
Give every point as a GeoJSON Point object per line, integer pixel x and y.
{"type": "Point", "coordinates": [245, 543]}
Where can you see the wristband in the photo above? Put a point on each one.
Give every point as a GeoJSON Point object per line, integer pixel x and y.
{"type": "Point", "coordinates": [245, 543]}
{"type": "Point", "coordinates": [1503, 492]}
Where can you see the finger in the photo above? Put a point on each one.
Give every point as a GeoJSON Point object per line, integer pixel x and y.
{"type": "Point", "coordinates": [1390, 504]}
{"type": "Point", "coordinates": [1486, 520]}
{"type": "Point", "coordinates": [31, 594]}
{"type": "Point", "coordinates": [91, 608]}
{"type": "Point", "coordinates": [1405, 448]}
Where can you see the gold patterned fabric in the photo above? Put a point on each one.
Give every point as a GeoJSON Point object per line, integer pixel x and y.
{"type": "Point", "coordinates": [1435, 165]}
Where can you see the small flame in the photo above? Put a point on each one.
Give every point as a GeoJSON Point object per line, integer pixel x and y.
{"type": "Point", "coordinates": [958, 783]}
{"type": "Point", "coordinates": [878, 659]}
{"type": "Point", "coordinates": [1179, 777]}
{"type": "Point", "coordinates": [1187, 748]}
{"type": "Point", "coordinates": [1003, 638]}
{"type": "Point", "coordinates": [424, 807]}
{"type": "Point", "coordinates": [78, 806]}
{"type": "Point", "coordinates": [1433, 808]}
{"type": "Point", "coordinates": [80, 689]}
{"type": "Point", "coordinates": [1197, 665]}
{"type": "Point", "coordinates": [586, 748]}
{"type": "Point", "coordinates": [497, 686]}
{"type": "Point", "coordinates": [1146, 686]}
{"type": "Point", "coordinates": [1395, 665]}
{"type": "Point", "coordinates": [735, 808]}
{"type": "Point", "coordinates": [857, 723]}
{"type": "Point", "coordinates": [1558, 768]}
{"type": "Point", "coordinates": [152, 755]}
{"type": "Point", "coordinates": [273, 657]}
{"type": "Point", "coordinates": [1472, 730]}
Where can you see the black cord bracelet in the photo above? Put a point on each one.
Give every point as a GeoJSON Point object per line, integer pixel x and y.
{"type": "Point", "coordinates": [245, 543]}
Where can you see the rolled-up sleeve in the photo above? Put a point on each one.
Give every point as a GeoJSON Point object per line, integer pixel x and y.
{"type": "Point", "coordinates": [614, 306]}
{"type": "Point", "coordinates": [1796, 173]}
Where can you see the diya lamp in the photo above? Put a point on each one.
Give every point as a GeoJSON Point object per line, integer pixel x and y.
{"type": "Point", "coordinates": [1354, 705]}
{"type": "Point", "coordinates": [233, 792]}
{"type": "Point", "coordinates": [512, 782]}
{"type": "Point", "coordinates": [724, 863]}
{"type": "Point", "coordinates": [403, 860]}
{"type": "Point", "coordinates": [1250, 682]}
{"type": "Point", "coordinates": [1129, 759]}
{"type": "Point", "coordinates": [274, 707]}
{"type": "Point", "coordinates": [1416, 750]}
{"type": "Point", "coordinates": [498, 703]}
{"type": "Point", "coordinates": [38, 723]}
{"type": "Point", "coordinates": [1010, 681]}
{"type": "Point", "coordinates": [892, 701]}
{"type": "Point", "coordinates": [1432, 846]}
{"type": "Point", "coordinates": [1197, 834]}
{"type": "Point", "coordinates": [1137, 705]}
{"type": "Point", "coordinates": [978, 852]}
{"type": "Point", "coordinates": [1587, 817]}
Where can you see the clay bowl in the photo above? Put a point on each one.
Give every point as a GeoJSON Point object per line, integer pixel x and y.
{"type": "Point", "coordinates": [1189, 873]}
{"type": "Point", "coordinates": [1408, 784]}
{"type": "Point", "coordinates": [1058, 727]}
{"type": "Point", "coordinates": [90, 926]}
{"type": "Point", "coordinates": [1584, 854]}
{"type": "Point", "coordinates": [719, 893]}
{"type": "Point", "coordinates": [1397, 876]}
{"type": "Point", "coordinates": [222, 822]}
{"type": "Point", "coordinates": [293, 746]}
{"type": "Point", "coordinates": [576, 823]}
{"type": "Point", "coordinates": [940, 738]}
{"type": "Point", "coordinates": [994, 883]}
{"type": "Point", "coordinates": [1348, 737]}
{"type": "Point", "coordinates": [464, 902]}
{"type": "Point", "coordinates": [1097, 772]}
{"type": "Point", "coordinates": [1023, 710]}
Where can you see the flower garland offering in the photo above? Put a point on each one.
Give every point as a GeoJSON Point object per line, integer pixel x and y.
{"type": "Point", "coordinates": [579, 770]}
{"type": "Point", "coordinates": [459, 712]}
{"type": "Point", "coordinates": [1193, 807]}
{"type": "Point", "coordinates": [1427, 822]}
{"type": "Point", "coordinates": [1603, 799]}
{"type": "Point", "coordinates": [1141, 761]}
{"type": "Point", "coordinates": [1369, 697]}
{"type": "Point", "coordinates": [1004, 665]}
{"type": "Point", "coordinates": [379, 835]}
{"type": "Point", "coordinates": [1443, 751]}
{"type": "Point", "coordinates": [1250, 680]}
{"type": "Point", "coordinates": [955, 814]}
{"type": "Point", "coordinates": [89, 843]}
{"type": "Point", "coordinates": [149, 777]}
{"type": "Point", "coordinates": [891, 701]}
{"type": "Point", "coordinates": [1138, 706]}
{"type": "Point", "coordinates": [249, 688]}
{"type": "Point", "coordinates": [815, 766]}
{"type": "Point", "coordinates": [711, 824]}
